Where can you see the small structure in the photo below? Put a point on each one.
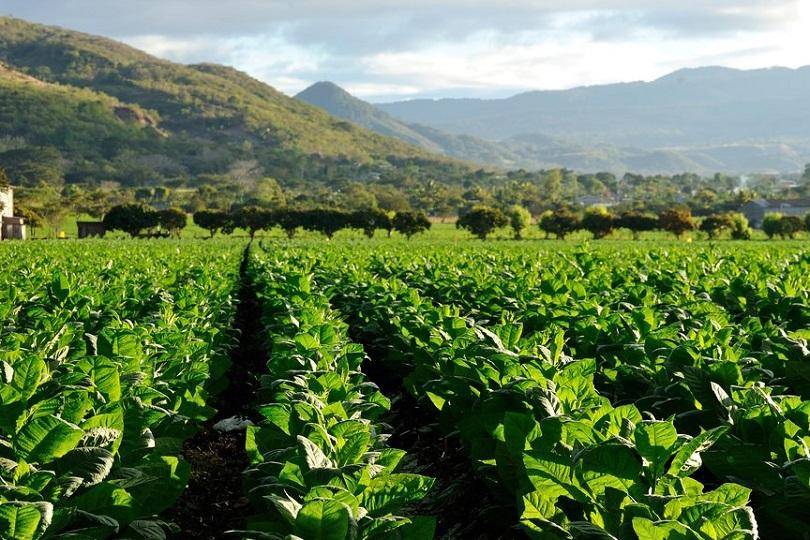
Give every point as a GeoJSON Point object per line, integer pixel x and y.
{"type": "Point", "coordinates": [88, 229]}
{"type": "Point", "coordinates": [755, 211]}
{"type": "Point", "coordinates": [11, 226]}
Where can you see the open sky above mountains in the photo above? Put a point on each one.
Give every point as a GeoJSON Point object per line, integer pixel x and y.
{"type": "Point", "coordinates": [447, 48]}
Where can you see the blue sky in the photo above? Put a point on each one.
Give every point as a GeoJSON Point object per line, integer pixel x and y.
{"type": "Point", "coordinates": [385, 51]}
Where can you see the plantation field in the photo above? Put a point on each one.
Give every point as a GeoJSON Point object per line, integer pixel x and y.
{"type": "Point", "coordinates": [404, 389]}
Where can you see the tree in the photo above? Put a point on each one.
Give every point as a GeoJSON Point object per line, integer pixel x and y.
{"type": "Point", "coordinates": [740, 230]}
{"type": "Point", "coordinates": [289, 220]}
{"type": "Point", "coordinates": [212, 221]}
{"type": "Point", "coordinates": [560, 222]}
{"type": "Point", "coordinates": [772, 224]}
{"type": "Point", "coordinates": [5, 181]}
{"type": "Point", "coordinates": [715, 224]}
{"type": "Point", "coordinates": [519, 220]}
{"type": "Point", "coordinates": [252, 219]}
{"type": "Point", "coordinates": [598, 221]}
{"type": "Point", "coordinates": [325, 220]}
{"type": "Point", "coordinates": [637, 223]}
{"type": "Point", "coordinates": [790, 226]}
{"type": "Point", "coordinates": [172, 220]}
{"type": "Point", "coordinates": [676, 221]}
{"type": "Point", "coordinates": [47, 202]}
{"type": "Point", "coordinates": [410, 223]}
{"type": "Point", "coordinates": [130, 218]}
{"type": "Point", "coordinates": [482, 220]}
{"type": "Point", "coordinates": [369, 220]}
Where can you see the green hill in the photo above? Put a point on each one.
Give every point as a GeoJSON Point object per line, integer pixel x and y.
{"type": "Point", "coordinates": [96, 100]}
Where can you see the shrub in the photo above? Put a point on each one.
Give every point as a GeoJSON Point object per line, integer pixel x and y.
{"type": "Point", "coordinates": [637, 223]}
{"type": "Point", "coordinates": [410, 223]}
{"type": "Point", "coordinates": [676, 221]}
{"type": "Point", "coordinates": [482, 220]}
{"type": "Point", "coordinates": [560, 223]}
{"type": "Point", "coordinates": [130, 218]}
{"type": "Point", "coordinates": [772, 224]}
{"type": "Point", "coordinates": [715, 224]}
{"type": "Point", "coordinates": [598, 221]}
{"type": "Point", "coordinates": [172, 220]}
{"type": "Point", "coordinates": [519, 220]}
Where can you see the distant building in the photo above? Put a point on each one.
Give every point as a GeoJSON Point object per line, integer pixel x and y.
{"type": "Point", "coordinates": [755, 211]}
{"type": "Point", "coordinates": [12, 227]}
{"type": "Point", "coordinates": [90, 228]}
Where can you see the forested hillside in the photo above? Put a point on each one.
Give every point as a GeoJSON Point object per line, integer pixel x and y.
{"type": "Point", "coordinates": [106, 111]}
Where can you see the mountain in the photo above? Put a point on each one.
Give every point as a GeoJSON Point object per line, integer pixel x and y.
{"type": "Point", "coordinates": [710, 116]}
{"type": "Point", "coordinates": [101, 103]}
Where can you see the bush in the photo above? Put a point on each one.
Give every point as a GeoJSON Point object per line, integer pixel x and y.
{"type": "Point", "coordinates": [172, 220]}
{"type": "Point", "coordinates": [130, 218]}
{"type": "Point", "coordinates": [772, 224]}
{"type": "Point", "coordinates": [560, 223]}
{"type": "Point", "coordinates": [482, 220]}
{"type": "Point", "coordinates": [410, 223]}
{"type": "Point", "coordinates": [676, 221]}
{"type": "Point", "coordinates": [715, 224]}
{"type": "Point", "coordinates": [791, 226]}
{"type": "Point", "coordinates": [213, 221]}
{"type": "Point", "coordinates": [598, 221]}
{"type": "Point", "coordinates": [740, 230]}
{"type": "Point", "coordinates": [519, 220]}
{"type": "Point", "coordinates": [370, 220]}
{"type": "Point", "coordinates": [637, 223]}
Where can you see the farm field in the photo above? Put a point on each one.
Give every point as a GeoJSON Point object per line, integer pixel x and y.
{"type": "Point", "coordinates": [395, 389]}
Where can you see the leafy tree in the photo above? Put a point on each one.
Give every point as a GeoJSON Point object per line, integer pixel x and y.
{"type": "Point", "coordinates": [369, 220]}
{"type": "Point", "coordinates": [740, 230]}
{"type": "Point", "coordinates": [715, 224]}
{"type": "Point", "coordinates": [676, 221]}
{"type": "Point", "coordinates": [326, 221]}
{"type": "Point", "coordinates": [289, 220]}
{"type": "Point", "coordinates": [519, 220]}
{"type": "Point", "coordinates": [598, 221]}
{"type": "Point", "coordinates": [482, 220]}
{"type": "Point", "coordinates": [772, 224]}
{"type": "Point", "coordinates": [130, 218]}
{"type": "Point", "coordinates": [790, 226]}
{"type": "Point", "coordinates": [212, 221]}
{"type": "Point", "coordinates": [173, 220]}
{"type": "Point", "coordinates": [252, 219]}
{"type": "Point", "coordinates": [410, 223]}
{"type": "Point", "coordinates": [560, 222]}
{"type": "Point", "coordinates": [637, 223]}
{"type": "Point", "coordinates": [47, 202]}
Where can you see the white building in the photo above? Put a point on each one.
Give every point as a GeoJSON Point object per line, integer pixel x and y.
{"type": "Point", "coordinates": [12, 227]}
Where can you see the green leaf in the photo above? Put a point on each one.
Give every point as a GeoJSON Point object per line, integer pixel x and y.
{"type": "Point", "coordinates": [21, 521]}
{"type": "Point", "coordinates": [655, 441]}
{"type": "Point", "coordinates": [661, 530]}
{"type": "Point", "coordinates": [322, 520]}
{"type": "Point", "coordinates": [27, 375]}
{"type": "Point", "coordinates": [45, 438]}
{"type": "Point", "coordinates": [393, 491]}
{"type": "Point", "coordinates": [687, 459]}
{"type": "Point", "coordinates": [315, 457]}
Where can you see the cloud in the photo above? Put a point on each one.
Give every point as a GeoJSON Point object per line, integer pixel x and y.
{"type": "Point", "coordinates": [423, 47]}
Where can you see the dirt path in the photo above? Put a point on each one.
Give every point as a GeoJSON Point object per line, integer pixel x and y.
{"type": "Point", "coordinates": [214, 500]}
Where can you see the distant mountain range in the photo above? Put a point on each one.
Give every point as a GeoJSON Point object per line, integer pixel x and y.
{"type": "Point", "coordinates": [703, 120]}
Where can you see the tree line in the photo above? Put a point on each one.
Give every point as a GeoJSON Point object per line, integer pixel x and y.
{"type": "Point", "coordinates": [141, 220]}
{"type": "Point", "coordinates": [482, 221]}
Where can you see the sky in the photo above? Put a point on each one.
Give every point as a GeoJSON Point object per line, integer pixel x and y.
{"type": "Point", "coordinates": [392, 50]}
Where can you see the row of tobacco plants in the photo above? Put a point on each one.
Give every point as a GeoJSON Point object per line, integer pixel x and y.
{"type": "Point", "coordinates": [618, 392]}
{"type": "Point", "coordinates": [108, 356]}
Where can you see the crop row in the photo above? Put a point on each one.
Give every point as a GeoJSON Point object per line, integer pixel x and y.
{"type": "Point", "coordinates": [320, 466]}
{"type": "Point", "coordinates": [534, 423]}
{"type": "Point", "coordinates": [107, 360]}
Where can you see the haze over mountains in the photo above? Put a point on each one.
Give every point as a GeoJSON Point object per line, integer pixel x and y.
{"type": "Point", "coordinates": [702, 120]}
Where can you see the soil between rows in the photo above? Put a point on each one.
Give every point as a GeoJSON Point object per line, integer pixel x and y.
{"type": "Point", "coordinates": [214, 500]}
{"type": "Point", "coordinates": [464, 506]}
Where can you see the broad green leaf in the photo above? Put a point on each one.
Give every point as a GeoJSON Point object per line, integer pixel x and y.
{"type": "Point", "coordinates": [655, 441]}
{"type": "Point", "coordinates": [45, 438]}
{"type": "Point", "coordinates": [21, 521]}
{"type": "Point", "coordinates": [391, 492]}
{"type": "Point", "coordinates": [687, 458]}
{"type": "Point", "coordinates": [323, 520]}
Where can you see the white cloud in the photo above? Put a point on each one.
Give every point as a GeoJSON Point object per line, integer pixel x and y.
{"type": "Point", "coordinates": [447, 47]}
